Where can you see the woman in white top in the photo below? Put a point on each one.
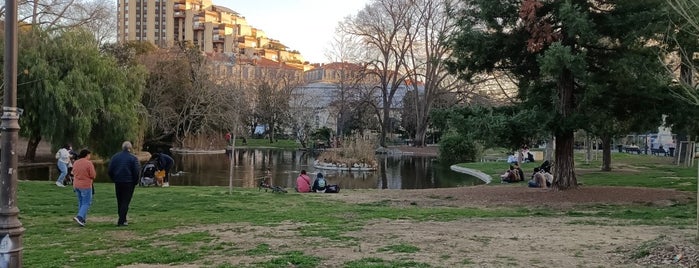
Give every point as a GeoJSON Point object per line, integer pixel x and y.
{"type": "Point", "coordinates": [63, 156]}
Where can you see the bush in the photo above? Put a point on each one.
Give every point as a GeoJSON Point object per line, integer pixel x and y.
{"type": "Point", "coordinates": [353, 150]}
{"type": "Point", "coordinates": [458, 149]}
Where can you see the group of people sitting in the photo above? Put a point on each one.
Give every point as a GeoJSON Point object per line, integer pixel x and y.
{"type": "Point", "coordinates": [523, 156]}
{"type": "Point", "coordinates": [541, 178]}
{"type": "Point", "coordinates": [319, 185]}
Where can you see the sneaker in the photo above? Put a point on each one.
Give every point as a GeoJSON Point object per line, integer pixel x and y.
{"type": "Point", "coordinates": [79, 221]}
{"type": "Point", "coordinates": [60, 184]}
{"type": "Point", "coordinates": [166, 184]}
{"type": "Point", "coordinates": [126, 223]}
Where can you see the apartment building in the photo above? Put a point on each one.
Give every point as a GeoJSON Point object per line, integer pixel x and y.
{"type": "Point", "coordinates": [212, 28]}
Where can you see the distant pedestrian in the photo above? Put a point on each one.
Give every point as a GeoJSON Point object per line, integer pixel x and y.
{"type": "Point", "coordinates": [63, 157]}
{"type": "Point", "coordinates": [84, 172]}
{"type": "Point", "coordinates": [228, 138]}
{"type": "Point", "coordinates": [124, 172]}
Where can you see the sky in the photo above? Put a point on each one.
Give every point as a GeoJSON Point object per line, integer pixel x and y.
{"type": "Point", "coordinates": [304, 25]}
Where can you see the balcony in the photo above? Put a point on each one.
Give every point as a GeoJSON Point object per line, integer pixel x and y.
{"type": "Point", "coordinates": [180, 7]}
{"type": "Point", "coordinates": [179, 14]}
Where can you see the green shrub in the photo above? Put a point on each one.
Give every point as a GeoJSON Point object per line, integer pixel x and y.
{"type": "Point", "coordinates": [458, 149]}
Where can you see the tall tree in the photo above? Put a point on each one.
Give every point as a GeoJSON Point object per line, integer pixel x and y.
{"type": "Point", "coordinates": [187, 105]}
{"type": "Point", "coordinates": [381, 27]}
{"type": "Point", "coordinates": [430, 26]}
{"type": "Point", "coordinates": [557, 50]}
{"type": "Point", "coordinates": [274, 87]}
{"type": "Point", "coordinates": [70, 92]}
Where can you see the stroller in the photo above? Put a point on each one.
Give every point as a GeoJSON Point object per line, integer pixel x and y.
{"type": "Point", "coordinates": [148, 174]}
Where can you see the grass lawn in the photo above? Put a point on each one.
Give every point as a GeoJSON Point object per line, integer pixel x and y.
{"type": "Point", "coordinates": [169, 225]}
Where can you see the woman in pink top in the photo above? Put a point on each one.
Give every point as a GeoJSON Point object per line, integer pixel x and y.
{"type": "Point", "coordinates": [84, 173]}
{"type": "Point", "coordinates": [303, 183]}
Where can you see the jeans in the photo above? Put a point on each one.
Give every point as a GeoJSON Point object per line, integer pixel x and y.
{"type": "Point", "coordinates": [84, 201]}
{"type": "Point", "coordinates": [63, 168]}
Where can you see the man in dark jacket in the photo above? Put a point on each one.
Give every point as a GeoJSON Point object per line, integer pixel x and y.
{"type": "Point", "coordinates": [124, 172]}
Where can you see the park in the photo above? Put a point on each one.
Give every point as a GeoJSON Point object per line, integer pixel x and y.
{"type": "Point", "coordinates": [463, 78]}
{"type": "Point", "coordinates": [639, 215]}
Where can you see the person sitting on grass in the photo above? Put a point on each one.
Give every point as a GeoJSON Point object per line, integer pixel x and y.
{"type": "Point", "coordinates": [510, 175]}
{"type": "Point", "coordinates": [303, 183]}
{"type": "Point", "coordinates": [319, 185]}
{"type": "Point", "coordinates": [541, 179]}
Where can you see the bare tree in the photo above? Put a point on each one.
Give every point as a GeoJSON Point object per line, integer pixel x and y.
{"type": "Point", "coordinates": [428, 76]}
{"type": "Point", "coordinates": [344, 47]}
{"type": "Point", "coordinates": [381, 27]}
{"type": "Point", "coordinates": [105, 24]}
{"type": "Point", "coordinates": [274, 87]}
{"type": "Point", "coordinates": [685, 56]}
{"type": "Point", "coordinates": [302, 112]}
{"type": "Point", "coordinates": [185, 102]}
{"type": "Point", "coordinates": [62, 14]}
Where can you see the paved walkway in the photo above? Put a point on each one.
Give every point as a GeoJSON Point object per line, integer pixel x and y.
{"type": "Point", "coordinates": [476, 173]}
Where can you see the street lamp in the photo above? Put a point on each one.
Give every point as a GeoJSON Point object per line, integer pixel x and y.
{"type": "Point", "coordinates": [10, 228]}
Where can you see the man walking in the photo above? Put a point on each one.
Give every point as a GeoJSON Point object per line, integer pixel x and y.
{"type": "Point", "coordinates": [124, 172]}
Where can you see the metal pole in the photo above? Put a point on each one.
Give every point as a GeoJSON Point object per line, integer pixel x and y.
{"type": "Point", "coordinates": [11, 229]}
{"type": "Point", "coordinates": [230, 175]}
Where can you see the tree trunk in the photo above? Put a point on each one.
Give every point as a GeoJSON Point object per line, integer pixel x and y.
{"type": "Point", "coordinates": [419, 140]}
{"type": "Point", "coordinates": [564, 177]}
{"type": "Point", "coordinates": [588, 149]}
{"type": "Point", "coordinates": [564, 166]}
{"type": "Point", "coordinates": [606, 153]}
{"type": "Point", "coordinates": [385, 125]}
{"type": "Point", "coordinates": [32, 144]}
{"type": "Point", "coordinates": [271, 133]}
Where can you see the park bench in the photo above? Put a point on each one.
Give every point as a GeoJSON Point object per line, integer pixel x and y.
{"type": "Point", "coordinates": [633, 149]}
{"type": "Point", "coordinates": [658, 152]}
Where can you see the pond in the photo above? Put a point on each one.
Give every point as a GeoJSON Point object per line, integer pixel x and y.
{"type": "Point", "coordinates": [395, 172]}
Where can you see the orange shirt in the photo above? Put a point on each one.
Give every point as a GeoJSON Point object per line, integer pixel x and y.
{"type": "Point", "coordinates": [84, 172]}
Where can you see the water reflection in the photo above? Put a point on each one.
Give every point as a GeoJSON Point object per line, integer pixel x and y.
{"type": "Point", "coordinates": [395, 172]}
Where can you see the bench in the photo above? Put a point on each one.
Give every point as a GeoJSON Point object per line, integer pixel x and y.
{"type": "Point", "coordinates": [632, 150]}
{"type": "Point", "coordinates": [658, 152]}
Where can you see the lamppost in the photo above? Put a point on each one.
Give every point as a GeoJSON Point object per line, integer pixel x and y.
{"type": "Point", "coordinates": [10, 228]}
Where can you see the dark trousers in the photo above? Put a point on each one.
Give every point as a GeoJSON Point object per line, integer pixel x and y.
{"type": "Point", "coordinates": [124, 192]}
{"type": "Point", "coordinates": [167, 173]}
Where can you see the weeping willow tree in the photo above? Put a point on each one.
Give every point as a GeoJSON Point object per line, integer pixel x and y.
{"type": "Point", "coordinates": [73, 93]}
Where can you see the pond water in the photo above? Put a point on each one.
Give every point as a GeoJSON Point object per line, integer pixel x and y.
{"type": "Point", "coordinates": [395, 172]}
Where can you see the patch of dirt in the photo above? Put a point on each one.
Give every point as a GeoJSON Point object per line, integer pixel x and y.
{"type": "Point", "coordinates": [515, 194]}
{"type": "Point", "coordinates": [477, 242]}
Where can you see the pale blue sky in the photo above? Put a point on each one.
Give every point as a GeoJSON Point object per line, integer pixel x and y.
{"type": "Point", "coordinates": [303, 25]}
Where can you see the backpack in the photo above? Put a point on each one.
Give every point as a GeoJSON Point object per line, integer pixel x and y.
{"type": "Point", "coordinates": [333, 188]}
{"type": "Point", "coordinates": [321, 183]}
